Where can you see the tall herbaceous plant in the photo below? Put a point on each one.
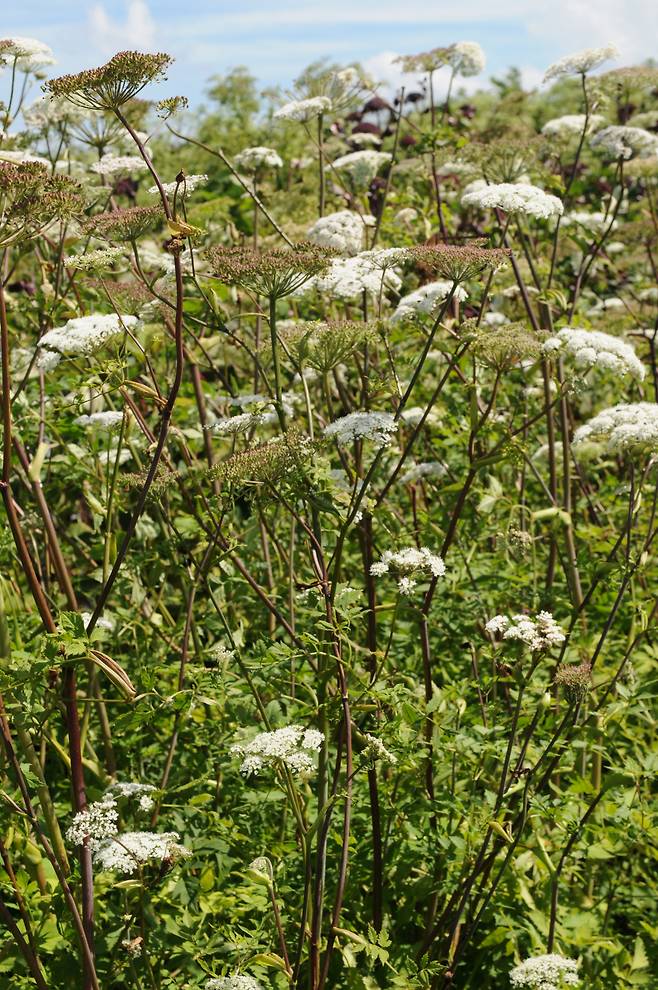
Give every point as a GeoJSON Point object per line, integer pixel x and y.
{"type": "Point", "coordinates": [327, 560]}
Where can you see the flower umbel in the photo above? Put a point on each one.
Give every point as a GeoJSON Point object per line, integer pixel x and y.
{"type": "Point", "coordinates": [538, 634]}
{"type": "Point", "coordinates": [548, 972]}
{"type": "Point", "coordinates": [113, 84]}
{"type": "Point", "coordinates": [292, 747]}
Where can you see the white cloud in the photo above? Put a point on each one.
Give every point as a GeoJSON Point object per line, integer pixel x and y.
{"type": "Point", "coordinates": [136, 31]}
{"type": "Point", "coordinates": [575, 24]}
{"type": "Point", "coordinates": [383, 70]}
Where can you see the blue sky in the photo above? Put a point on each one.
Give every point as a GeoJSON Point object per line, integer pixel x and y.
{"type": "Point", "coordinates": [277, 38]}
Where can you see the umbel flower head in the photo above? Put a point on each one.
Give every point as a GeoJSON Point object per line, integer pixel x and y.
{"type": "Point", "coordinates": [459, 263]}
{"type": "Point", "coordinates": [31, 198]}
{"type": "Point", "coordinates": [81, 336]}
{"type": "Point", "coordinates": [109, 419]}
{"type": "Point", "coordinates": [548, 972]}
{"type": "Point", "coordinates": [304, 110]}
{"type": "Point", "coordinates": [593, 349]}
{"type": "Point", "coordinates": [515, 197]}
{"type": "Point", "coordinates": [625, 427]}
{"type": "Point", "coordinates": [237, 981]}
{"type": "Point", "coordinates": [360, 167]}
{"type": "Point", "coordinates": [406, 562]}
{"type": "Point", "coordinates": [27, 54]}
{"type": "Point", "coordinates": [94, 261]}
{"type": "Point", "coordinates": [466, 58]}
{"type": "Point", "coordinates": [98, 821]}
{"type": "Point", "coordinates": [342, 231]}
{"type": "Point", "coordinates": [128, 851]}
{"type": "Point", "coordinates": [292, 747]}
{"type": "Point", "coordinates": [347, 278]}
{"type": "Point", "coordinates": [538, 634]}
{"type": "Point", "coordinates": [425, 300]}
{"type": "Point", "coordinates": [571, 125]}
{"type": "Point", "coordinates": [580, 63]}
{"type": "Point", "coordinates": [113, 84]}
{"type": "Point", "coordinates": [378, 427]}
{"type": "Point", "coordinates": [623, 142]}
{"type": "Point", "coordinates": [124, 225]}
{"type": "Point", "coordinates": [119, 165]}
{"type": "Point", "coordinates": [275, 272]}
{"type": "Point", "coordinates": [252, 160]}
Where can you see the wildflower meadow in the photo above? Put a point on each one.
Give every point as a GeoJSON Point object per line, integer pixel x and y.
{"type": "Point", "coordinates": [328, 574]}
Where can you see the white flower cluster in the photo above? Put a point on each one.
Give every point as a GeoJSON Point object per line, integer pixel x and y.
{"type": "Point", "coordinates": [81, 336]}
{"type": "Point", "coordinates": [342, 231]}
{"type": "Point", "coordinates": [376, 750]}
{"type": "Point", "coordinates": [348, 278]}
{"type": "Point", "coordinates": [27, 53]}
{"type": "Point", "coordinates": [571, 124]}
{"type": "Point", "coordinates": [110, 419]}
{"type": "Point", "coordinates": [292, 746]}
{"type": "Point", "coordinates": [410, 560]}
{"type": "Point", "coordinates": [514, 197]}
{"type": "Point", "coordinates": [259, 410]}
{"type": "Point", "coordinates": [549, 972]}
{"type": "Point", "coordinates": [124, 853]}
{"type": "Point", "coordinates": [49, 110]}
{"type": "Point", "coordinates": [426, 299]}
{"type": "Point", "coordinates": [118, 164]}
{"type": "Point", "coordinates": [466, 58]}
{"type": "Point", "coordinates": [97, 822]}
{"type": "Point", "coordinates": [190, 184]}
{"type": "Point", "coordinates": [303, 110]}
{"type": "Point", "coordinates": [221, 654]}
{"type": "Point", "coordinates": [594, 349]}
{"type": "Point", "coordinates": [141, 793]}
{"type": "Point", "coordinates": [595, 222]}
{"type": "Point", "coordinates": [413, 415]}
{"type": "Point", "coordinates": [539, 634]}
{"type": "Point", "coordinates": [376, 426]}
{"type": "Point", "coordinates": [238, 981]}
{"type": "Point", "coordinates": [424, 469]}
{"type": "Point", "coordinates": [361, 167]}
{"type": "Point", "coordinates": [580, 62]}
{"type": "Point", "coordinates": [623, 427]}
{"type": "Point", "coordinates": [251, 159]}
{"type": "Point", "coordinates": [22, 157]}
{"type": "Point", "coordinates": [93, 261]}
{"type": "Point", "coordinates": [232, 426]}
{"type": "Point", "coordinates": [621, 141]}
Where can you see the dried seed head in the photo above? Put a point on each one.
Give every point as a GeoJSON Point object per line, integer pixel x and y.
{"type": "Point", "coordinates": [459, 263]}
{"type": "Point", "coordinates": [274, 272]}
{"type": "Point", "coordinates": [164, 481]}
{"type": "Point", "coordinates": [31, 198]}
{"type": "Point", "coordinates": [576, 679]}
{"type": "Point", "coordinates": [113, 84]}
{"type": "Point", "coordinates": [124, 225]}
